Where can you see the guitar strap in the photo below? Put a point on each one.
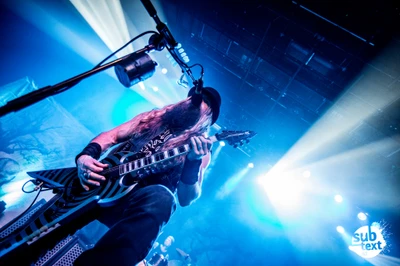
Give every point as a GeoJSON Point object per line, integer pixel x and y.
{"type": "Point", "coordinates": [150, 147]}
{"type": "Point", "coordinates": [155, 144]}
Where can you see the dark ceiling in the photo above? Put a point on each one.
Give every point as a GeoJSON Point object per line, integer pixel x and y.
{"type": "Point", "coordinates": [282, 64]}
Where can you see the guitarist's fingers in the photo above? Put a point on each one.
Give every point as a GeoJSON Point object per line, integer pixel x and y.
{"type": "Point", "coordinates": [91, 182]}
{"type": "Point", "coordinates": [93, 165]}
{"type": "Point", "coordinates": [206, 144]}
{"type": "Point", "coordinates": [199, 146]}
{"type": "Point", "coordinates": [97, 163]}
{"type": "Point", "coordinates": [94, 168]}
{"type": "Point", "coordinates": [82, 180]}
{"type": "Point", "coordinates": [95, 176]}
{"type": "Point", "coordinates": [194, 145]}
{"type": "Point", "coordinates": [83, 185]}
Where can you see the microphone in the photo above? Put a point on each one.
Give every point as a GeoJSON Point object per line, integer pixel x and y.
{"type": "Point", "coordinates": [135, 68]}
{"type": "Point", "coordinates": [197, 96]}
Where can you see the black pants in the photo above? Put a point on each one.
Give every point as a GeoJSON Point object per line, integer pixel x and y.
{"type": "Point", "coordinates": [136, 224]}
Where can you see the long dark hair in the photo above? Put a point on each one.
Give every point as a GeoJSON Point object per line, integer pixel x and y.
{"type": "Point", "coordinates": [155, 121]}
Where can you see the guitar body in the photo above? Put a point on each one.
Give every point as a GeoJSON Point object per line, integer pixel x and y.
{"type": "Point", "coordinates": [59, 216]}
{"type": "Point", "coordinates": [108, 193]}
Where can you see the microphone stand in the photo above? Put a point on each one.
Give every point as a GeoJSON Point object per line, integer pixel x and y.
{"type": "Point", "coordinates": [42, 93]}
{"type": "Point", "coordinates": [167, 35]}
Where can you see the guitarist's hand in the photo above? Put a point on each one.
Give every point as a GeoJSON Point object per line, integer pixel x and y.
{"type": "Point", "coordinates": [200, 147]}
{"type": "Point", "coordinates": [88, 169]}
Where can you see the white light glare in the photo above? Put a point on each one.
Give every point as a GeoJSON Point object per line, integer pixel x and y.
{"type": "Point", "coordinates": [186, 59]}
{"type": "Point", "coordinates": [340, 229]}
{"type": "Point", "coordinates": [222, 143]}
{"type": "Point", "coordinates": [338, 198]}
{"type": "Point", "coordinates": [284, 191]}
{"type": "Point", "coordinates": [307, 174]}
{"type": "Point", "coordinates": [164, 70]}
{"type": "Point", "coordinates": [141, 85]}
{"type": "Point", "coordinates": [250, 165]}
{"type": "Point", "coordinates": [362, 216]}
{"type": "Point", "coordinates": [155, 88]}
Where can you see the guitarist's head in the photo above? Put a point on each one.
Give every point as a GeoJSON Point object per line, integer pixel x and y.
{"type": "Point", "coordinates": [184, 115]}
{"type": "Point", "coordinates": [183, 118]}
{"type": "Point", "coordinates": [212, 98]}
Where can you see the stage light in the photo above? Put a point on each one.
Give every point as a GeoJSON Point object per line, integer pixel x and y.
{"type": "Point", "coordinates": [182, 54]}
{"type": "Point", "coordinates": [231, 183]}
{"type": "Point", "coordinates": [250, 165]}
{"type": "Point", "coordinates": [307, 174]}
{"type": "Point", "coordinates": [340, 229]}
{"type": "Point", "coordinates": [362, 216]}
{"type": "Point", "coordinates": [164, 70]}
{"type": "Point", "coordinates": [222, 143]}
{"type": "Point", "coordinates": [142, 86]}
{"type": "Point", "coordinates": [186, 59]}
{"type": "Point", "coordinates": [284, 191]}
{"type": "Point", "coordinates": [338, 198]}
{"type": "Point", "coordinates": [172, 60]}
{"type": "Point", "coordinates": [155, 88]}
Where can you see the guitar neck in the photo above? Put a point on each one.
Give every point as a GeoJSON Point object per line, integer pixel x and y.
{"type": "Point", "coordinates": [156, 158]}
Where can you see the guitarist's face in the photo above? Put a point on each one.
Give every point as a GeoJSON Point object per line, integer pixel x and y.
{"type": "Point", "coordinates": [183, 116]}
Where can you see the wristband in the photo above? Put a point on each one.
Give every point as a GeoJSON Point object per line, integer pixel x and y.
{"type": "Point", "coordinates": [190, 172]}
{"type": "Point", "coordinates": [93, 149]}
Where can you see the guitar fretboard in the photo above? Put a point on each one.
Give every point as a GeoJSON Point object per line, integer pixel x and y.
{"type": "Point", "coordinates": [153, 159]}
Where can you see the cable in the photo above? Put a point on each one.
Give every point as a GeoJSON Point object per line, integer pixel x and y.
{"type": "Point", "coordinates": [185, 67]}
{"type": "Point", "coordinates": [21, 214]}
{"type": "Point", "coordinates": [38, 188]}
{"type": "Point", "coordinates": [132, 40]}
{"type": "Point", "coordinates": [109, 56]}
{"type": "Point", "coordinates": [32, 181]}
{"type": "Point", "coordinates": [33, 202]}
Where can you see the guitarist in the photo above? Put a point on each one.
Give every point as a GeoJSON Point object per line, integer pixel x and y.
{"type": "Point", "coordinates": [136, 222]}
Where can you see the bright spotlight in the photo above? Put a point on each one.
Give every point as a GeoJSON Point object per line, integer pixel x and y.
{"type": "Point", "coordinates": [283, 190]}
{"type": "Point", "coordinates": [338, 198]}
{"type": "Point", "coordinates": [362, 216]}
{"type": "Point", "coordinates": [155, 88]}
{"type": "Point", "coordinates": [250, 165]}
{"type": "Point", "coordinates": [186, 59]}
{"type": "Point", "coordinates": [307, 174]}
{"type": "Point", "coordinates": [340, 229]}
{"type": "Point", "coordinates": [222, 143]}
{"type": "Point", "coordinates": [141, 85]}
{"type": "Point", "coordinates": [164, 70]}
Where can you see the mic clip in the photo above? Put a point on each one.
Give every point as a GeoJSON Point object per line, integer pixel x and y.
{"type": "Point", "coordinates": [197, 96]}
{"type": "Point", "coordinates": [199, 86]}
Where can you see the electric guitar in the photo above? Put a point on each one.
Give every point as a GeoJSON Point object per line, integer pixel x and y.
{"type": "Point", "coordinates": [72, 200]}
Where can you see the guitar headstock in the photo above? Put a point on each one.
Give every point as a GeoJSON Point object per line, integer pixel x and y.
{"type": "Point", "coordinates": [235, 138]}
